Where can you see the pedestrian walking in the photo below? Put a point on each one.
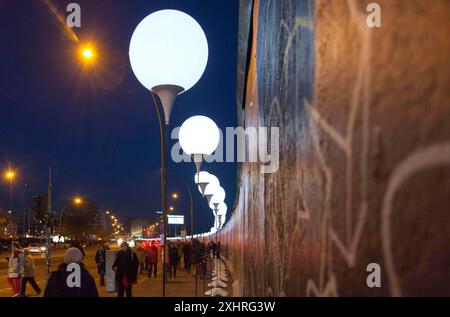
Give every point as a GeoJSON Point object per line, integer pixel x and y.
{"type": "Point", "coordinates": [187, 256]}
{"type": "Point", "coordinates": [15, 263]}
{"type": "Point", "coordinates": [58, 286]}
{"type": "Point", "coordinates": [140, 252]}
{"type": "Point", "coordinates": [218, 249]}
{"type": "Point", "coordinates": [100, 260]}
{"type": "Point", "coordinates": [152, 260]}
{"type": "Point", "coordinates": [173, 260]}
{"type": "Point", "coordinates": [180, 246]}
{"type": "Point", "coordinates": [195, 256]}
{"type": "Point", "coordinates": [126, 266]}
{"type": "Point", "coordinates": [28, 273]}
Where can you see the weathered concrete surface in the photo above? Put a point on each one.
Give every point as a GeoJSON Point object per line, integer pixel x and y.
{"type": "Point", "coordinates": [364, 117]}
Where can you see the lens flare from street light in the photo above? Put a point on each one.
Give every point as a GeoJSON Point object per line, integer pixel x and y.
{"type": "Point", "coordinates": [77, 200]}
{"type": "Point", "coordinates": [87, 53]}
{"type": "Point", "coordinates": [10, 175]}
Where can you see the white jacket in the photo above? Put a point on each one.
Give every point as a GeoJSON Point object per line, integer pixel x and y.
{"type": "Point", "coordinates": [15, 265]}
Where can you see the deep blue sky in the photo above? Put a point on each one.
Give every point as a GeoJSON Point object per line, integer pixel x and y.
{"type": "Point", "coordinates": [103, 144]}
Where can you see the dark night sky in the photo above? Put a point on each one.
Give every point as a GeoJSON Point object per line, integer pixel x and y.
{"type": "Point", "coordinates": [98, 129]}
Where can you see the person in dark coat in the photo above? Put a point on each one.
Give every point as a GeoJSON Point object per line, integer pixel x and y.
{"type": "Point", "coordinates": [173, 260]}
{"type": "Point", "coordinates": [100, 259]}
{"type": "Point", "coordinates": [187, 256]}
{"type": "Point", "coordinates": [195, 256]}
{"type": "Point", "coordinates": [152, 260]}
{"type": "Point", "coordinates": [57, 285]}
{"type": "Point", "coordinates": [126, 266]}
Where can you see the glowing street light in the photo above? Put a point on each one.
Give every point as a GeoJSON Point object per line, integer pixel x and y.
{"type": "Point", "coordinates": [175, 196]}
{"type": "Point", "coordinates": [171, 208]}
{"type": "Point", "coordinates": [10, 175]}
{"type": "Point", "coordinates": [77, 201]}
{"type": "Point", "coordinates": [87, 53]}
{"type": "Point", "coordinates": [199, 136]}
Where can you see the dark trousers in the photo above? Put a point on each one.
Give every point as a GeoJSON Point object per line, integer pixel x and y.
{"type": "Point", "coordinates": [102, 279]}
{"type": "Point", "coordinates": [124, 290]}
{"type": "Point", "coordinates": [187, 263]}
{"type": "Point", "coordinates": [173, 269]}
{"type": "Point", "coordinates": [152, 267]}
{"type": "Point", "coordinates": [33, 283]}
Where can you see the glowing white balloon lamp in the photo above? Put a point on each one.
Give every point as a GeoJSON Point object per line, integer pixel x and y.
{"type": "Point", "coordinates": [168, 54]}
{"type": "Point", "coordinates": [211, 179]}
{"type": "Point", "coordinates": [222, 209]}
{"type": "Point", "coordinates": [199, 135]}
{"type": "Point", "coordinates": [210, 190]}
{"type": "Point", "coordinates": [202, 179]}
{"type": "Point", "coordinates": [217, 198]}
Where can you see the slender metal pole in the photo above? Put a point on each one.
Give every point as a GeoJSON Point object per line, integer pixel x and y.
{"type": "Point", "coordinates": [163, 189]}
{"type": "Point", "coordinates": [11, 218]}
{"type": "Point", "coordinates": [165, 211]}
{"type": "Point", "coordinates": [60, 218]}
{"type": "Point", "coordinates": [48, 226]}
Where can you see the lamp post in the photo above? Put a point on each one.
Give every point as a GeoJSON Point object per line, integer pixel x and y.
{"type": "Point", "coordinates": [168, 54]}
{"type": "Point", "coordinates": [75, 201]}
{"type": "Point", "coordinates": [10, 175]}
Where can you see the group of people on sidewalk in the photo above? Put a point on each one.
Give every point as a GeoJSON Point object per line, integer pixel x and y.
{"type": "Point", "coordinates": [21, 271]}
{"type": "Point", "coordinates": [128, 265]}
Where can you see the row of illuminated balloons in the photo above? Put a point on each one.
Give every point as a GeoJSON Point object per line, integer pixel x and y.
{"type": "Point", "coordinates": [168, 54]}
{"type": "Point", "coordinates": [199, 136]}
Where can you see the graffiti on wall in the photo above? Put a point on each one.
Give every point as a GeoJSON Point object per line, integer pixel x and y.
{"type": "Point", "coordinates": [312, 228]}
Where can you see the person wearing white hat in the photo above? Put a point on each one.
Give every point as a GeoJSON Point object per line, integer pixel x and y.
{"type": "Point", "coordinates": [58, 285]}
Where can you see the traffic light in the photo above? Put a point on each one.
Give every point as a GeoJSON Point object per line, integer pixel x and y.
{"type": "Point", "coordinates": [40, 209]}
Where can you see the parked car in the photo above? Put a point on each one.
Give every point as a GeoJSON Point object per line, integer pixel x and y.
{"type": "Point", "coordinates": [37, 249]}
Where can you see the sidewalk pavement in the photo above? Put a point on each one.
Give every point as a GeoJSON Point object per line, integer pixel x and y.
{"type": "Point", "coordinates": [183, 285]}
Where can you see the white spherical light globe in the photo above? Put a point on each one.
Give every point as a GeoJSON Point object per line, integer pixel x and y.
{"type": "Point", "coordinates": [199, 135]}
{"type": "Point", "coordinates": [217, 198]}
{"type": "Point", "coordinates": [209, 180]}
{"type": "Point", "coordinates": [211, 189]}
{"type": "Point", "coordinates": [168, 47]}
{"type": "Point", "coordinates": [201, 177]}
{"type": "Point", "coordinates": [222, 209]}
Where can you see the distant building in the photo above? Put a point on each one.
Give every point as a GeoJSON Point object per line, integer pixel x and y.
{"type": "Point", "coordinates": [137, 227]}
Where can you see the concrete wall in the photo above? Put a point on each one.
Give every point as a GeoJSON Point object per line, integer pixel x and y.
{"type": "Point", "coordinates": [364, 177]}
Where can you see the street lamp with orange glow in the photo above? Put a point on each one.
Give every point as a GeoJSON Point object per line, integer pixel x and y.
{"type": "Point", "coordinates": [75, 201]}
